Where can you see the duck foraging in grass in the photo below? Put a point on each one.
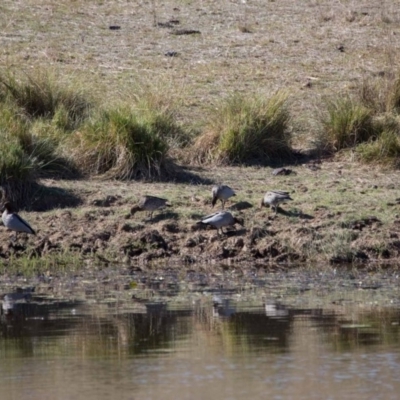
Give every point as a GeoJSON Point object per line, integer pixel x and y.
{"type": "Point", "coordinates": [220, 220]}
{"type": "Point", "coordinates": [150, 204]}
{"type": "Point", "coordinates": [221, 192]}
{"type": "Point", "coordinates": [274, 197]}
{"type": "Point", "coordinates": [13, 221]}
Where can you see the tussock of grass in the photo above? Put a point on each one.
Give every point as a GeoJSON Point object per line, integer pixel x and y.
{"type": "Point", "coordinates": [17, 170]}
{"type": "Point", "coordinates": [120, 145]}
{"type": "Point", "coordinates": [246, 130]}
{"type": "Point", "coordinates": [157, 111]}
{"type": "Point", "coordinates": [41, 96]}
{"type": "Point", "coordinates": [385, 150]}
{"type": "Point", "coordinates": [26, 155]}
{"type": "Point", "coordinates": [346, 124]}
{"type": "Point", "coordinates": [381, 95]}
{"type": "Point", "coordinates": [11, 121]}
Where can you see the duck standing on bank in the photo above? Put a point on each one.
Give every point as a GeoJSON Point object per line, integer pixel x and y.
{"type": "Point", "coordinates": [150, 204]}
{"type": "Point", "coordinates": [13, 221]}
{"type": "Point", "coordinates": [220, 220]}
{"type": "Point", "coordinates": [274, 197]}
{"type": "Point", "coordinates": [221, 192]}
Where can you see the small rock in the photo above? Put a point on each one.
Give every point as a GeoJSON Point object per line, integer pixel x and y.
{"type": "Point", "coordinates": [239, 242]}
{"type": "Point", "coordinates": [104, 235]}
{"type": "Point", "coordinates": [190, 243]}
{"type": "Point", "coordinates": [154, 239]}
{"type": "Point", "coordinates": [282, 171]}
{"type": "Point", "coordinates": [185, 32]}
{"type": "Point", "coordinates": [171, 227]}
{"type": "Point", "coordinates": [107, 202]}
{"type": "Point", "coordinates": [241, 205]}
{"type": "Point", "coordinates": [171, 54]}
{"type": "Point", "coordinates": [127, 228]}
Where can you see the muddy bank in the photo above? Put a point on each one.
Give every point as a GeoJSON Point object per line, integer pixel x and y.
{"type": "Point", "coordinates": [340, 214]}
{"type": "Point", "coordinates": [96, 236]}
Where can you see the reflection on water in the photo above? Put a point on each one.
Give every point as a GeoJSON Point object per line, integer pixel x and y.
{"type": "Point", "coordinates": [202, 345]}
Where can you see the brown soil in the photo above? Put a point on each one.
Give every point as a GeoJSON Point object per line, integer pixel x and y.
{"type": "Point", "coordinates": [357, 222]}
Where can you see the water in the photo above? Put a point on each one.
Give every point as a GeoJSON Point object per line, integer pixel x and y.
{"type": "Point", "coordinates": [291, 338]}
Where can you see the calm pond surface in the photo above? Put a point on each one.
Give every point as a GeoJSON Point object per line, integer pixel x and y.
{"type": "Point", "coordinates": [299, 335]}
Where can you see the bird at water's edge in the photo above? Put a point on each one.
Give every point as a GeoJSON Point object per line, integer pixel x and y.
{"type": "Point", "coordinates": [13, 221]}
{"type": "Point", "coordinates": [220, 220]}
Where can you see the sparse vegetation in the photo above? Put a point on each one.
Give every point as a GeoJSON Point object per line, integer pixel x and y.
{"type": "Point", "coordinates": [30, 265]}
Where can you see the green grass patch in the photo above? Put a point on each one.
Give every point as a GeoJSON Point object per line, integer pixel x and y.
{"type": "Point", "coordinates": [41, 95]}
{"type": "Point", "coordinates": [18, 170]}
{"type": "Point", "coordinates": [385, 150]}
{"type": "Point", "coordinates": [160, 114]}
{"type": "Point", "coordinates": [381, 95]}
{"type": "Point", "coordinates": [246, 130]}
{"type": "Point", "coordinates": [27, 154]}
{"type": "Point", "coordinates": [346, 124]}
{"type": "Point", "coordinates": [120, 144]}
{"type": "Point", "coordinates": [55, 263]}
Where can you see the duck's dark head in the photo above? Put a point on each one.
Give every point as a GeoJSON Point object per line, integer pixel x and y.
{"type": "Point", "coordinates": [7, 206]}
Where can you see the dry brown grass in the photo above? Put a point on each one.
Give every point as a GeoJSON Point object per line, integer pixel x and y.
{"type": "Point", "coordinates": [291, 44]}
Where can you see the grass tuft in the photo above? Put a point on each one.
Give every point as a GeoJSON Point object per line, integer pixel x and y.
{"type": "Point", "coordinates": [41, 96]}
{"type": "Point", "coordinates": [17, 170]}
{"type": "Point", "coordinates": [156, 111]}
{"type": "Point", "coordinates": [385, 150]}
{"type": "Point", "coordinates": [247, 130]}
{"type": "Point", "coordinates": [381, 95]}
{"type": "Point", "coordinates": [346, 124]}
{"type": "Point", "coordinates": [120, 145]}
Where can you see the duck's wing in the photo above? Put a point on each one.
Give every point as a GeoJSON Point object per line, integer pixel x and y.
{"type": "Point", "coordinates": [228, 191]}
{"type": "Point", "coordinates": [279, 192]}
{"type": "Point", "coordinates": [152, 201]}
{"type": "Point", "coordinates": [212, 217]}
{"type": "Point", "coordinates": [18, 224]}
